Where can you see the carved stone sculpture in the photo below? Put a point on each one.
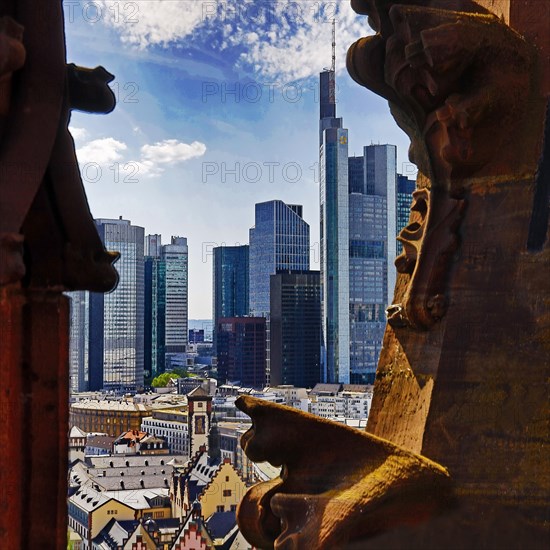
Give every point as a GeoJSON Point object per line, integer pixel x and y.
{"type": "Point", "coordinates": [457, 449]}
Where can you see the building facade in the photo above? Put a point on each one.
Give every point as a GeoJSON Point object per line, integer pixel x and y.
{"type": "Point", "coordinates": [242, 350]}
{"type": "Point", "coordinates": [279, 240]}
{"type": "Point", "coordinates": [334, 231]}
{"type": "Point", "coordinates": [116, 320]}
{"type": "Point", "coordinates": [173, 426]}
{"type": "Point", "coordinates": [166, 304]}
{"type": "Point", "coordinates": [78, 341]}
{"type": "Point", "coordinates": [295, 328]}
{"type": "Point", "coordinates": [230, 281]}
{"type": "Point", "coordinates": [405, 188]}
{"type": "Point", "coordinates": [372, 251]}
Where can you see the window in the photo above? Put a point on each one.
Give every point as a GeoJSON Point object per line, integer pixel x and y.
{"type": "Point", "coordinates": [227, 492]}
{"type": "Point", "coordinates": [220, 508]}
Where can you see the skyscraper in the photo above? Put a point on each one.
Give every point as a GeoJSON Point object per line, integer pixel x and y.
{"type": "Point", "coordinates": [242, 351]}
{"type": "Point", "coordinates": [117, 318]}
{"type": "Point", "coordinates": [230, 283]}
{"type": "Point", "coordinates": [372, 225]}
{"type": "Point", "coordinates": [334, 206]}
{"type": "Point", "coordinates": [295, 328]}
{"type": "Point", "coordinates": [405, 188]}
{"type": "Point", "coordinates": [78, 341]}
{"type": "Point", "coordinates": [278, 241]}
{"type": "Point", "coordinates": [166, 304]}
{"type": "Point", "coordinates": [175, 258]}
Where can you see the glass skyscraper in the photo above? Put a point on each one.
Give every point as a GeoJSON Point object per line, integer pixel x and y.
{"type": "Point", "coordinates": [295, 328]}
{"type": "Point", "coordinates": [166, 304]}
{"type": "Point", "coordinates": [279, 240]}
{"type": "Point", "coordinates": [372, 250]}
{"type": "Point", "coordinates": [230, 283]}
{"type": "Point", "coordinates": [241, 351]}
{"type": "Point", "coordinates": [334, 210]}
{"type": "Point", "coordinates": [78, 341]}
{"type": "Point", "coordinates": [405, 188]}
{"type": "Point", "coordinates": [117, 319]}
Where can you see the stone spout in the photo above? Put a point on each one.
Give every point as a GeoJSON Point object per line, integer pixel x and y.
{"type": "Point", "coordinates": [338, 484]}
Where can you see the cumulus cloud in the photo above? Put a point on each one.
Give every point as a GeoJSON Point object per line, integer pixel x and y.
{"type": "Point", "coordinates": [102, 151]}
{"type": "Point", "coordinates": [78, 133]}
{"type": "Point", "coordinates": [155, 158]}
{"type": "Point", "coordinates": [171, 151]}
{"type": "Point", "coordinates": [281, 40]}
{"type": "Point", "coordinates": [143, 24]}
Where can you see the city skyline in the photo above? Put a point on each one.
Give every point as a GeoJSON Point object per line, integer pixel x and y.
{"type": "Point", "coordinates": [167, 152]}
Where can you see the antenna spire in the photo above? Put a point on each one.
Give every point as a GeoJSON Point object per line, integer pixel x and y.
{"type": "Point", "coordinates": [333, 66]}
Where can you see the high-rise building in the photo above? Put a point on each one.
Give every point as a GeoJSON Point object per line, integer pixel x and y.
{"type": "Point", "coordinates": [334, 206]}
{"type": "Point", "coordinates": [166, 304]}
{"type": "Point", "coordinates": [116, 319]}
{"type": "Point", "coordinates": [405, 188]}
{"type": "Point", "coordinates": [230, 283]}
{"type": "Point", "coordinates": [295, 328]}
{"type": "Point", "coordinates": [175, 258]}
{"type": "Point", "coordinates": [279, 240]}
{"type": "Point", "coordinates": [372, 249]}
{"type": "Point", "coordinates": [78, 341]}
{"type": "Point", "coordinates": [242, 351]}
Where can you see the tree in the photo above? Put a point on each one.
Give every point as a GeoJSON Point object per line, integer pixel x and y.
{"type": "Point", "coordinates": [162, 380]}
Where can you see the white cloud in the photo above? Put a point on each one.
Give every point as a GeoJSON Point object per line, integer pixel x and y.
{"type": "Point", "coordinates": [102, 151]}
{"type": "Point", "coordinates": [171, 151]}
{"type": "Point", "coordinates": [282, 40]}
{"type": "Point", "coordinates": [153, 158]}
{"type": "Point", "coordinates": [78, 133]}
{"type": "Point", "coordinates": [161, 22]}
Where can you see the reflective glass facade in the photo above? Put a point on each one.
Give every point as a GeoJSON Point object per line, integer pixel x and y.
{"type": "Point", "coordinates": [372, 223]}
{"type": "Point", "coordinates": [333, 163]}
{"type": "Point", "coordinates": [405, 188]}
{"type": "Point", "coordinates": [278, 241]}
{"type": "Point", "coordinates": [230, 280]}
{"type": "Point", "coordinates": [242, 351]}
{"type": "Point", "coordinates": [295, 329]}
{"type": "Point", "coordinates": [175, 259]}
{"type": "Point", "coordinates": [117, 319]}
{"type": "Point", "coordinates": [166, 304]}
{"type": "Point", "coordinates": [78, 341]}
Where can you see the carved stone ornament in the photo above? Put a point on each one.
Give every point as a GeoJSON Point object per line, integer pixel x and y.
{"type": "Point", "coordinates": [323, 499]}
{"type": "Point", "coordinates": [43, 207]}
{"type": "Point", "coordinates": [456, 83]}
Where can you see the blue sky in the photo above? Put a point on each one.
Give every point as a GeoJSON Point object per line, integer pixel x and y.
{"type": "Point", "coordinates": [206, 89]}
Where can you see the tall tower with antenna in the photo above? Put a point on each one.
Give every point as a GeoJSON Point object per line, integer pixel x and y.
{"type": "Point", "coordinates": [333, 66]}
{"type": "Point", "coordinates": [334, 217]}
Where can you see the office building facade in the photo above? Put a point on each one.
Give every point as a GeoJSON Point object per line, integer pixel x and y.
{"type": "Point", "coordinates": [230, 283]}
{"type": "Point", "coordinates": [405, 188]}
{"type": "Point", "coordinates": [295, 328]}
{"type": "Point", "coordinates": [334, 231]}
{"type": "Point", "coordinates": [242, 351]}
{"type": "Point", "coordinates": [166, 304]}
{"type": "Point", "coordinates": [78, 341]}
{"type": "Point", "coordinates": [372, 251]}
{"type": "Point", "coordinates": [279, 240]}
{"type": "Point", "coordinates": [116, 321]}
